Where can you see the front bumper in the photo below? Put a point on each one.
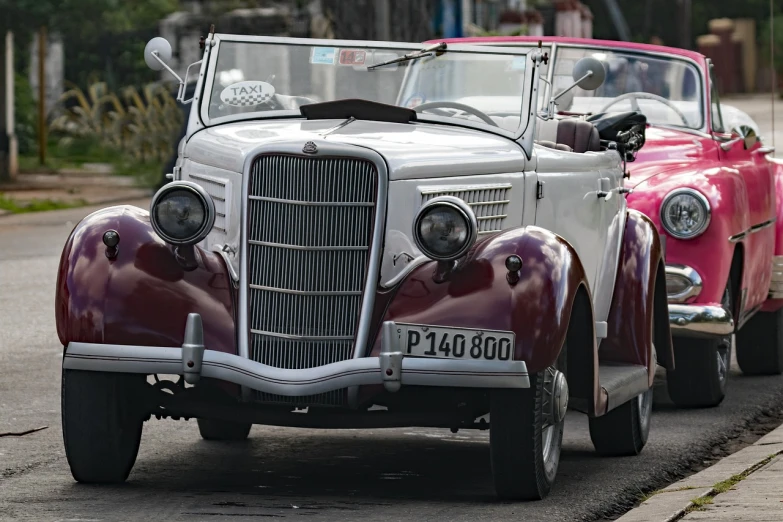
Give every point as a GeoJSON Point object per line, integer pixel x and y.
{"type": "Point", "coordinates": [699, 321]}
{"type": "Point", "coordinates": [391, 368]}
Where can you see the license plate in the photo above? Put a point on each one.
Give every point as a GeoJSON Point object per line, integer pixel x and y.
{"type": "Point", "coordinates": [455, 343]}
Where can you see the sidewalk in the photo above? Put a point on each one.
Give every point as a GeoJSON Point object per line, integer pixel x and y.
{"type": "Point", "coordinates": [747, 486]}
{"type": "Point", "coordinates": [93, 185]}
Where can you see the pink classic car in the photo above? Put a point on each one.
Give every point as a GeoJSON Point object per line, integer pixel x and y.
{"type": "Point", "coordinates": [710, 186]}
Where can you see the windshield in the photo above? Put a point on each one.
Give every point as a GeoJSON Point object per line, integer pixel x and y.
{"type": "Point", "coordinates": [667, 91]}
{"type": "Point", "coordinates": [266, 79]}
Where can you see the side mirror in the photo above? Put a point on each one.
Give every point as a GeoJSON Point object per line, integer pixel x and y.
{"type": "Point", "coordinates": [589, 73]}
{"type": "Point", "coordinates": [157, 53]}
{"type": "Point", "coordinates": [748, 136]}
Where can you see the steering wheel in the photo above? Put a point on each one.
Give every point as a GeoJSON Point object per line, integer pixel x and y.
{"type": "Point", "coordinates": [457, 106]}
{"type": "Point", "coordinates": [634, 97]}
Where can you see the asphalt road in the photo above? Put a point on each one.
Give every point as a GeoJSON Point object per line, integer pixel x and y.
{"type": "Point", "coordinates": [399, 474]}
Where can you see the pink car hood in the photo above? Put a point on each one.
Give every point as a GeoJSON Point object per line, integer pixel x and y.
{"type": "Point", "coordinates": [665, 150]}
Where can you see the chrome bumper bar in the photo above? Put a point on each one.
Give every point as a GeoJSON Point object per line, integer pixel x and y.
{"type": "Point", "coordinates": [699, 321]}
{"type": "Point", "coordinates": [776, 283]}
{"type": "Point", "coordinates": [391, 368]}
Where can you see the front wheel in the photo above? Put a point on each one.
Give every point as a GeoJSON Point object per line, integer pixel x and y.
{"type": "Point", "coordinates": [102, 421]}
{"type": "Point", "coordinates": [760, 344]}
{"type": "Point", "coordinates": [624, 430]}
{"type": "Point", "coordinates": [701, 371]}
{"type": "Point", "coordinates": [526, 434]}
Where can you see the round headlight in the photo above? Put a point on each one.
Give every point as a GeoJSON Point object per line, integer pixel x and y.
{"type": "Point", "coordinates": [685, 213]}
{"type": "Point", "coordinates": [445, 228]}
{"type": "Point", "coordinates": [182, 213]}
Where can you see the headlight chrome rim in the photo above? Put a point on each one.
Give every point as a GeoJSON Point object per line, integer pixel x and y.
{"type": "Point", "coordinates": [209, 210]}
{"type": "Point", "coordinates": [462, 208]}
{"type": "Point", "coordinates": [700, 198]}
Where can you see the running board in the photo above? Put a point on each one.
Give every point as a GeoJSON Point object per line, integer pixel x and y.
{"type": "Point", "coordinates": [622, 382]}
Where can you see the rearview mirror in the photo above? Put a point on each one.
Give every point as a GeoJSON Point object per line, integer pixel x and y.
{"type": "Point", "coordinates": [589, 73]}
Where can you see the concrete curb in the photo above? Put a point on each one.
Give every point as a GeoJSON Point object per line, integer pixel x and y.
{"type": "Point", "coordinates": [670, 504]}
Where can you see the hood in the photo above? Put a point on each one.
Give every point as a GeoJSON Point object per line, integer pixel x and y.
{"type": "Point", "coordinates": [411, 150]}
{"type": "Point", "coordinates": [665, 150]}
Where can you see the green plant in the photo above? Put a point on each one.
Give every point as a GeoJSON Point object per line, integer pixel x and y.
{"type": "Point", "coordinates": [25, 110]}
{"type": "Point", "coordinates": [142, 125]}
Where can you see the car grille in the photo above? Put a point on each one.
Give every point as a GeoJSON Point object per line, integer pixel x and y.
{"type": "Point", "coordinates": [309, 233]}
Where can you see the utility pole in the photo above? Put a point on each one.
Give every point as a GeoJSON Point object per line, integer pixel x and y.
{"type": "Point", "coordinates": [8, 147]}
{"type": "Point", "coordinates": [42, 96]}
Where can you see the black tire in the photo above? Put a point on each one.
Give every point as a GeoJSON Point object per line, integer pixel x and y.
{"type": "Point", "coordinates": [624, 430]}
{"type": "Point", "coordinates": [701, 368]}
{"type": "Point", "coordinates": [223, 430]}
{"type": "Point", "coordinates": [760, 344]}
{"type": "Point", "coordinates": [520, 469]}
{"type": "Point", "coordinates": [102, 420]}
{"type": "Point", "coordinates": [701, 371]}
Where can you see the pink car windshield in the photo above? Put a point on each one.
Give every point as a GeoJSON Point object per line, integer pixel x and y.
{"type": "Point", "coordinates": [667, 90]}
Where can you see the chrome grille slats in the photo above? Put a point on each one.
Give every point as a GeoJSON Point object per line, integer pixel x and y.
{"type": "Point", "coordinates": [309, 229]}
{"type": "Point", "coordinates": [488, 202]}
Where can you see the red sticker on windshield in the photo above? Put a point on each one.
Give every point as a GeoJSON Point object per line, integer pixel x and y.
{"type": "Point", "coordinates": [352, 57]}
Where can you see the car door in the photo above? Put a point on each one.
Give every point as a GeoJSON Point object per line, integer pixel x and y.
{"type": "Point", "coordinates": [736, 152]}
{"type": "Point", "coordinates": [579, 201]}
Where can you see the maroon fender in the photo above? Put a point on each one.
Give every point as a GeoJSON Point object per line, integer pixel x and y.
{"type": "Point", "coordinates": [477, 294]}
{"type": "Point", "coordinates": [142, 296]}
{"type": "Point", "coordinates": [639, 314]}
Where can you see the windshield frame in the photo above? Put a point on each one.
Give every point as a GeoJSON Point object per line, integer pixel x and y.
{"type": "Point", "coordinates": [213, 52]}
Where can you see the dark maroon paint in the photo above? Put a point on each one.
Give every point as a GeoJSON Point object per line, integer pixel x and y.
{"type": "Point", "coordinates": [143, 296]}
{"type": "Point", "coordinates": [477, 294]}
{"type": "Point", "coordinates": [631, 317]}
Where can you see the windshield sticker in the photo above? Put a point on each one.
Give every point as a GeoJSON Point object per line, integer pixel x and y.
{"type": "Point", "coordinates": [414, 101]}
{"type": "Point", "coordinates": [247, 94]}
{"type": "Point", "coordinates": [323, 55]}
{"type": "Point", "coordinates": [352, 57]}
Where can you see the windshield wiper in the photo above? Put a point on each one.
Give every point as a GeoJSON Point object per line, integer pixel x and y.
{"type": "Point", "coordinates": [412, 56]}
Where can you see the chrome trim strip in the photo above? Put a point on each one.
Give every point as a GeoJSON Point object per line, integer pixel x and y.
{"type": "Point", "coordinates": [700, 321]}
{"type": "Point", "coordinates": [410, 267]}
{"type": "Point", "coordinates": [296, 383]}
{"type": "Point", "coordinates": [753, 229]}
{"type": "Point", "coordinates": [311, 203]}
{"type": "Point", "coordinates": [691, 275]}
{"type": "Point", "coordinates": [326, 149]}
{"type": "Point", "coordinates": [299, 292]}
{"type": "Point", "coordinates": [304, 337]}
{"type": "Point", "coordinates": [761, 226]}
{"type": "Point", "coordinates": [224, 255]}
{"type": "Point", "coordinates": [299, 247]}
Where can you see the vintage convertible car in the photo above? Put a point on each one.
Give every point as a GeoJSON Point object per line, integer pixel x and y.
{"type": "Point", "coordinates": [707, 182]}
{"type": "Point", "coordinates": [327, 257]}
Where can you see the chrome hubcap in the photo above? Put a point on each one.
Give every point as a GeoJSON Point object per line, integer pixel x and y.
{"type": "Point", "coordinates": [645, 408]}
{"type": "Point", "coordinates": [555, 405]}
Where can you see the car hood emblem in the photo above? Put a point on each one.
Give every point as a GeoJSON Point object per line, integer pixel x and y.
{"type": "Point", "coordinates": [310, 148]}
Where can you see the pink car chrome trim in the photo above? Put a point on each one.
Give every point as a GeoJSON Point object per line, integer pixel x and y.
{"type": "Point", "coordinates": [700, 321]}
{"type": "Point", "coordinates": [751, 230]}
{"type": "Point", "coordinates": [776, 284]}
{"type": "Point", "coordinates": [688, 274]}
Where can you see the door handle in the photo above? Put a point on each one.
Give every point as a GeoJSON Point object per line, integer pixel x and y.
{"type": "Point", "coordinates": [602, 193]}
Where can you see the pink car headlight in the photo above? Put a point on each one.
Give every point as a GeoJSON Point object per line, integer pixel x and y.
{"type": "Point", "coordinates": [685, 213]}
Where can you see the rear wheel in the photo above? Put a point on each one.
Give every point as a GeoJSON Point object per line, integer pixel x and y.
{"type": "Point", "coordinates": [223, 430]}
{"type": "Point", "coordinates": [526, 434]}
{"type": "Point", "coordinates": [102, 421]}
{"type": "Point", "coordinates": [624, 430]}
{"type": "Point", "coordinates": [701, 368]}
{"type": "Point", "coordinates": [760, 344]}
